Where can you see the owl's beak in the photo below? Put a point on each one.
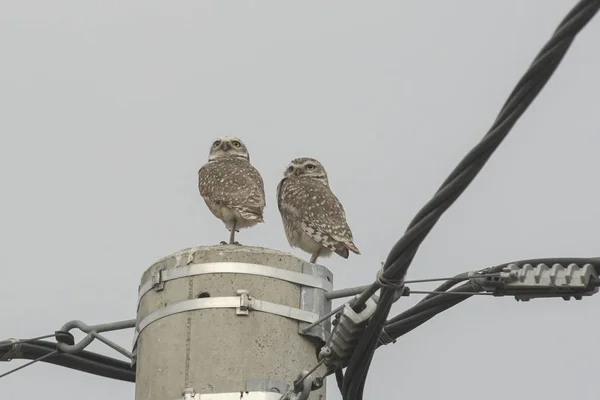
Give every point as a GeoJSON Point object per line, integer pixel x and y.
{"type": "Point", "coordinates": [297, 171]}
{"type": "Point", "coordinates": [225, 146]}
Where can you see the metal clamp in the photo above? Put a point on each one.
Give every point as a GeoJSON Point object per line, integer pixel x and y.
{"type": "Point", "coordinates": [242, 303]}
{"type": "Point", "coordinates": [93, 332]}
{"type": "Point", "coordinates": [315, 300]}
{"type": "Point", "coordinates": [15, 347]}
{"type": "Point", "coordinates": [301, 390]}
{"type": "Point", "coordinates": [158, 278]}
{"type": "Point", "coordinates": [190, 394]}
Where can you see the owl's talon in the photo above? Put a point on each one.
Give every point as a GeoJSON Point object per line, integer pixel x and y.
{"type": "Point", "coordinates": [223, 243]}
{"type": "Point", "coordinates": [236, 243]}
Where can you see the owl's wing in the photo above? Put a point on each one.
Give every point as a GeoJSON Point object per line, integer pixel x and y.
{"type": "Point", "coordinates": [320, 214]}
{"type": "Point", "coordinates": [233, 183]}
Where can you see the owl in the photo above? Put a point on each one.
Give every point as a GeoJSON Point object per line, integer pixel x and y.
{"type": "Point", "coordinates": [231, 187]}
{"type": "Point", "coordinates": [313, 218]}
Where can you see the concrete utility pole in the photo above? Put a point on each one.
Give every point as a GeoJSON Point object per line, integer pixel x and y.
{"type": "Point", "coordinates": [224, 322]}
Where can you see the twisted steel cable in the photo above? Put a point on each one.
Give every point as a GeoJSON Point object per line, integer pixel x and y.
{"type": "Point", "coordinates": [403, 252]}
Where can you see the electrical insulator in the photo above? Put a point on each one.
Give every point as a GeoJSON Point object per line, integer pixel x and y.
{"type": "Point", "coordinates": [347, 333]}
{"type": "Point", "coordinates": [528, 282]}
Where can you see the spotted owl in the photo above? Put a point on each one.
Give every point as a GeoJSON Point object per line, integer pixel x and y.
{"type": "Point", "coordinates": [313, 218]}
{"type": "Point", "coordinates": [231, 187]}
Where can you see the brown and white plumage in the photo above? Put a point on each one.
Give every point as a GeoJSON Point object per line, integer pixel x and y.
{"type": "Point", "coordinates": [314, 220]}
{"type": "Point", "coordinates": [231, 187]}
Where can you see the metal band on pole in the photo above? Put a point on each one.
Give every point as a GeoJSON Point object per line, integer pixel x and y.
{"type": "Point", "coordinates": [165, 275]}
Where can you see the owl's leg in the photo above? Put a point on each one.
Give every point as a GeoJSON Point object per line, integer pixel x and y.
{"type": "Point", "coordinates": [314, 257]}
{"type": "Point", "coordinates": [232, 234]}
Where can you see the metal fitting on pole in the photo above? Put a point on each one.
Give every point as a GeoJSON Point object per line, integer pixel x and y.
{"type": "Point", "coordinates": [538, 281]}
{"type": "Point", "coordinates": [229, 321]}
{"type": "Point", "coordinates": [346, 333]}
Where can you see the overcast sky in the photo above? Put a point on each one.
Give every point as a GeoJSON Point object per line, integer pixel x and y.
{"type": "Point", "coordinates": [109, 108]}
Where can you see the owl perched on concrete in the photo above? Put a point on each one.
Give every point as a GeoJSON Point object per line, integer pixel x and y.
{"type": "Point", "coordinates": [231, 187]}
{"type": "Point", "coordinates": [313, 218]}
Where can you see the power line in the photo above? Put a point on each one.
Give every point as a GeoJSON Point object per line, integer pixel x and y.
{"type": "Point", "coordinates": [84, 361]}
{"type": "Point", "coordinates": [403, 252]}
{"type": "Point", "coordinates": [41, 358]}
{"type": "Point", "coordinates": [336, 294]}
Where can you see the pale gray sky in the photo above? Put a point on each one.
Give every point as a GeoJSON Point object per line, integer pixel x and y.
{"type": "Point", "coordinates": [109, 109]}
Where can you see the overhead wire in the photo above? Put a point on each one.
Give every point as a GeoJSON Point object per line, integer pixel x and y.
{"type": "Point", "coordinates": [84, 361]}
{"type": "Point", "coordinates": [443, 298]}
{"type": "Point", "coordinates": [40, 358]}
{"type": "Point", "coordinates": [403, 252]}
{"type": "Point", "coordinates": [400, 257]}
{"type": "Point", "coordinates": [439, 301]}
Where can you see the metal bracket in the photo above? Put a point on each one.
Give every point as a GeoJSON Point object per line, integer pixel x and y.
{"type": "Point", "coordinates": [314, 300]}
{"type": "Point", "coordinates": [14, 349]}
{"type": "Point", "coordinates": [190, 394]}
{"type": "Point", "coordinates": [93, 332]}
{"type": "Point", "coordinates": [314, 281]}
{"type": "Point", "coordinates": [529, 282]}
{"type": "Point", "coordinates": [242, 303]}
{"type": "Point", "coordinates": [159, 277]}
{"type": "Point", "coordinates": [157, 280]}
{"type": "Point", "coordinates": [301, 390]}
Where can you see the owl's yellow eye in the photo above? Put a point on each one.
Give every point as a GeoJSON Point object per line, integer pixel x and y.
{"type": "Point", "coordinates": [310, 166]}
{"type": "Point", "coordinates": [290, 169]}
{"type": "Point", "coordinates": [235, 143]}
{"type": "Point", "coordinates": [216, 144]}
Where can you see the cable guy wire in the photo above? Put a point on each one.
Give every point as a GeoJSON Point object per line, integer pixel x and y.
{"type": "Point", "coordinates": [84, 361]}
{"type": "Point", "coordinates": [403, 252]}
{"type": "Point", "coordinates": [45, 356]}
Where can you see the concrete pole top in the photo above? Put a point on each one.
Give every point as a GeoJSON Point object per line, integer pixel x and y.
{"type": "Point", "coordinates": [234, 253]}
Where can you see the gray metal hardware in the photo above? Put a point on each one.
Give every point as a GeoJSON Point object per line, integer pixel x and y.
{"type": "Point", "coordinates": [14, 349]}
{"type": "Point", "coordinates": [527, 282]}
{"type": "Point", "coordinates": [347, 333]}
{"type": "Point", "coordinates": [314, 300]}
{"type": "Point", "coordinates": [191, 395]}
{"type": "Point", "coordinates": [244, 301]}
{"type": "Point", "coordinates": [93, 332]}
{"type": "Point", "coordinates": [303, 392]}
{"type": "Point", "coordinates": [158, 279]}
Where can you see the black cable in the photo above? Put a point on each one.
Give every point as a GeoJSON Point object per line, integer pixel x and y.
{"type": "Point", "coordinates": [439, 302]}
{"type": "Point", "coordinates": [365, 349]}
{"type": "Point", "coordinates": [85, 361]}
{"type": "Point", "coordinates": [521, 97]}
{"type": "Point", "coordinates": [402, 254]}
{"type": "Point", "coordinates": [595, 261]}
{"type": "Point", "coordinates": [436, 303]}
{"type": "Point", "coordinates": [414, 317]}
{"type": "Point", "coordinates": [339, 378]}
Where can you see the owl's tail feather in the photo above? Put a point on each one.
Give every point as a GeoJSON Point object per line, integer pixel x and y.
{"type": "Point", "coordinates": [350, 245]}
{"type": "Point", "coordinates": [342, 249]}
{"type": "Point", "coordinates": [251, 215]}
{"type": "Point", "coordinates": [342, 252]}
